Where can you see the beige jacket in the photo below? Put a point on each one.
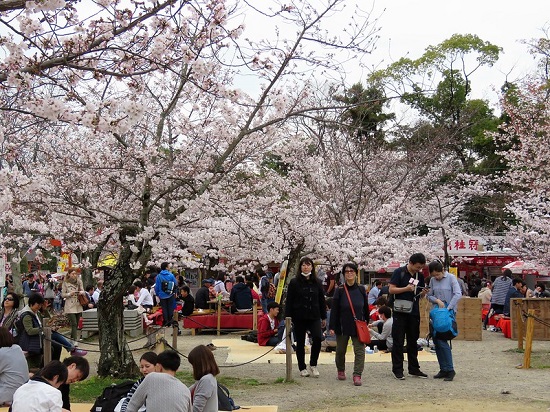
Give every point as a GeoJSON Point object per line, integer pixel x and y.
{"type": "Point", "coordinates": [71, 301]}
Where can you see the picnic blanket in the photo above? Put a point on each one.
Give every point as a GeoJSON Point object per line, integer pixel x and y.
{"type": "Point", "coordinates": [240, 351]}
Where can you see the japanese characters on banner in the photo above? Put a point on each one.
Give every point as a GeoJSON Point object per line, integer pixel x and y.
{"type": "Point", "coordinates": [463, 245]}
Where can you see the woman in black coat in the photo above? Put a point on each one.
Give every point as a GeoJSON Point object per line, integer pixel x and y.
{"type": "Point", "coordinates": [305, 304]}
{"type": "Point", "coordinates": [342, 323]}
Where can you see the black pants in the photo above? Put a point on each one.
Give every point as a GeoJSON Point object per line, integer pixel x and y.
{"type": "Point", "coordinates": [380, 344]}
{"type": "Point", "coordinates": [498, 309]}
{"type": "Point", "coordinates": [405, 326]}
{"type": "Point", "coordinates": [301, 326]}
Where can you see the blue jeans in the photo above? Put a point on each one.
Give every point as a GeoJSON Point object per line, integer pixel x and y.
{"type": "Point", "coordinates": [444, 355]}
{"type": "Point", "coordinates": [59, 341]}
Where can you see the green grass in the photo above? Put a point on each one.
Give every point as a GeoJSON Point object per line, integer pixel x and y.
{"type": "Point", "coordinates": [88, 390]}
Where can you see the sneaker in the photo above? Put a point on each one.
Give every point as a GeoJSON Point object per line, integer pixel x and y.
{"type": "Point", "coordinates": [314, 371]}
{"type": "Point", "coordinates": [357, 380]}
{"type": "Point", "coordinates": [419, 374]}
{"type": "Point", "coordinates": [450, 376]}
{"type": "Point", "coordinates": [341, 375]}
{"type": "Point", "coordinates": [440, 375]}
{"type": "Point", "coordinates": [79, 352]}
{"type": "Point", "coordinates": [304, 373]}
{"type": "Point", "coordinates": [399, 376]}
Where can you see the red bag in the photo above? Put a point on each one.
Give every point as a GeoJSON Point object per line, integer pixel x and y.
{"type": "Point", "coordinates": [363, 333]}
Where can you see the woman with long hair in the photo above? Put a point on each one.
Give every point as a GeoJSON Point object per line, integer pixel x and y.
{"type": "Point", "coordinates": [305, 304]}
{"type": "Point", "coordinates": [204, 392]}
{"type": "Point", "coordinates": [147, 364]}
{"type": "Point", "coordinates": [8, 312]}
{"type": "Point", "coordinates": [72, 287]}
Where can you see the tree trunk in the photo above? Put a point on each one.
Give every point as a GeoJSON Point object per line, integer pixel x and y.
{"type": "Point", "coordinates": [293, 261]}
{"type": "Point", "coordinates": [116, 358]}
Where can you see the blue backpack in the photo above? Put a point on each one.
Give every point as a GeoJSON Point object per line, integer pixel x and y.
{"type": "Point", "coordinates": [443, 324]}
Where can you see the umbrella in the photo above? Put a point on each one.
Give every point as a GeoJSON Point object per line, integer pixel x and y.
{"type": "Point", "coordinates": [519, 267]}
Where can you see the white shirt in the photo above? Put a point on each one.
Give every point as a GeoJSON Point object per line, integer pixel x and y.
{"type": "Point", "coordinates": [95, 296]}
{"type": "Point", "coordinates": [37, 396]}
{"type": "Point", "coordinates": [145, 298]}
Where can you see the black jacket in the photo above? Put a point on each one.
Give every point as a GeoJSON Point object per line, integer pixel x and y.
{"type": "Point", "coordinates": [305, 299]}
{"type": "Point", "coordinates": [341, 318]}
{"type": "Point", "coordinates": [241, 296]}
{"type": "Point", "coordinates": [202, 297]}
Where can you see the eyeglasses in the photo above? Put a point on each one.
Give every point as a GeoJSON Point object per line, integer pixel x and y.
{"type": "Point", "coordinates": [10, 299]}
{"type": "Point", "coordinates": [349, 271]}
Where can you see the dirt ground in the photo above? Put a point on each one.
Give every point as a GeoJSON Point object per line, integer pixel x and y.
{"type": "Point", "coordinates": [487, 378]}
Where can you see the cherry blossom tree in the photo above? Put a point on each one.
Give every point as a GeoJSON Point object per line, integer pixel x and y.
{"type": "Point", "coordinates": [526, 140]}
{"type": "Point", "coordinates": [123, 129]}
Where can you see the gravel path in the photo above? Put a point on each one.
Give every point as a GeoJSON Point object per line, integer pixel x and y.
{"type": "Point", "coordinates": [487, 377]}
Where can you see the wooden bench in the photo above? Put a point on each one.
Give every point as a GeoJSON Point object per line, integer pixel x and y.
{"type": "Point", "coordinates": [222, 320]}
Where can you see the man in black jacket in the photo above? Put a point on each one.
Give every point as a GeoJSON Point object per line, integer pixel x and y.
{"type": "Point", "coordinates": [203, 294]}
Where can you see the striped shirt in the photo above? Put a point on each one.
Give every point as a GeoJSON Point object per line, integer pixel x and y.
{"type": "Point", "coordinates": [500, 290]}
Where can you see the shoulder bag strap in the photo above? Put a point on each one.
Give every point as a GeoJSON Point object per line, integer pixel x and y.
{"type": "Point", "coordinates": [350, 302]}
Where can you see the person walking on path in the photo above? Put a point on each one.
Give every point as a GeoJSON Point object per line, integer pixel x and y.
{"type": "Point", "coordinates": [342, 322]}
{"type": "Point", "coordinates": [72, 287]}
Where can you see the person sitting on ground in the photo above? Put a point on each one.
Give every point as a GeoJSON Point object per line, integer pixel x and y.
{"type": "Point", "coordinates": [40, 393]}
{"type": "Point", "coordinates": [78, 369]}
{"type": "Point", "coordinates": [188, 301]}
{"type": "Point", "coordinates": [329, 343]}
{"type": "Point", "coordinates": [383, 340]}
{"type": "Point", "coordinates": [513, 292]}
{"type": "Point", "coordinates": [9, 311]}
{"type": "Point", "coordinates": [161, 390]}
{"type": "Point", "coordinates": [269, 332]}
{"type": "Point", "coordinates": [203, 294]}
{"type": "Point", "coordinates": [30, 330]}
{"type": "Point", "coordinates": [240, 295]}
{"type": "Point", "coordinates": [14, 371]}
{"type": "Point", "coordinates": [147, 364]}
{"type": "Point", "coordinates": [373, 314]}
{"type": "Point", "coordinates": [204, 392]}
{"type": "Point", "coordinates": [59, 341]}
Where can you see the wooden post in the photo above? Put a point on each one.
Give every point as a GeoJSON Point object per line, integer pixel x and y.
{"type": "Point", "coordinates": [159, 345]}
{"type": "Point", "coordinates": [219, 316]}
{"type": "Point", "coordinates": [529, 339]}
{"type": "Point", "coordinates": [175, 330]}
{"type": "Point", "coordinates": [254, 314]}
{"type": "Point", "coordinates": [47, 345]}
{"type": "Point", "coordinates": [519, 323]}
{"type": "Point", "coordinates": [288, 340]}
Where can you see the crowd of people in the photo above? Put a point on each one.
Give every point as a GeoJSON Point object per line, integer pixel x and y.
{"type": "Point", "coordinates": [322, 308]}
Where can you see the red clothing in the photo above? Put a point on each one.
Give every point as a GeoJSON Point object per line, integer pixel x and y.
{"type": "Point", "coordinates": [255, 295]}
{"type": "Point", "coordinates": [264, 330]}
